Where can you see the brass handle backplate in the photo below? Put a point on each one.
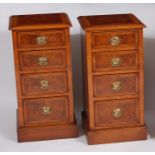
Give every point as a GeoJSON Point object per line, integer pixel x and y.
{"type": "Point", "coordinates": [46, 110]}
{"type": "Point", "coordinates": [116, 85]}
{"type": "Point", "coordinates": [41, 40]}
{"type": "Point", "coordinates": [115, 40]}
{"type": "Point", "coordinates": [43, 61]}
{"type": "Point", "coordinates": [117, 112]}
{"type": "Point", "coordinates": [44, 84]}
{"type": "Point", "coordinates": [115, 62]}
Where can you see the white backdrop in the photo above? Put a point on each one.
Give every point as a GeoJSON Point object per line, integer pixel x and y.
{"type": "Point", "coordinates": [8, 102]}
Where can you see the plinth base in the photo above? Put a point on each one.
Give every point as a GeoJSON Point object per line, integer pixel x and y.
{"type": "Point", "coordinates": [113, 134]}
{"type": "Point", "coordinates": [48, 132]}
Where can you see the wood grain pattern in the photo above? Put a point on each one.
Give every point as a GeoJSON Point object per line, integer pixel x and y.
{"type": "Point", "coordinates": [39, 21]}
{"type": "Point", "coordinates": [103, 85]}
{"type": "Point", "coordinates": [113, 88]}
{"type": "Point", "coordinates": [113, 21]}
{"type": "Point", "coordinates": [101, 40]}
{"type": "Point", "coordinates": [28, 40]}
{"type": "Point", "coordinates": [46, 86]}
{"type": "Point", "coordinates": [56, 59]}
{"type": "Point", "coordinates": [102, 61]}
{"type": "Point", "coordinates": [58, 110]}
{"type": "Point", "coordinates": [31, 84]}
{"type": "Point", "coordinates": [104, 113]}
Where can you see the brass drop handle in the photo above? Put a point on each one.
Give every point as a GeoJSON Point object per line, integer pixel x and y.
{"type": "Point", "coordinates": [41, 40]}
{"type": "Point", "coordinates": [115, 40]}
{"type": "Point", "coordinates": [116, 85]}
{"type": "Point", "coordinates": [46, 110]}
{"type": "Point", "coordinates": [117, 112]}
{"type": "Point", "coordinates": [43, 61]}
{"type": "Point", "coordinates": [116, 62]}
{"type": "Point", "coordinates": [44, 84]}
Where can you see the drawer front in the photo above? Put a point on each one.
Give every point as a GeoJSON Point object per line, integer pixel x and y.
{"type": "Point", "coordinates": [117, 113]}
{"type": "Point", "coordinates": [44, 110]}
{"type": "Point", "coordinates": [115, 40]}
{"type": "Point", "coordinates": [53, 59]}
{"type": "Point", "coordinates": [41, 39]}
{"type": "Point", "coordinates": [114, 85]}
{"type": "Point", "coordinates": [44, 83]}
{"type": "Point", "coordinates": [105, 61]}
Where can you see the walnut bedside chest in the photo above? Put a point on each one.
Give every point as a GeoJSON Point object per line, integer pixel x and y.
{"type": "Point", "coordinates": [112, 52]}
{"type": "Point", "coordinates": [43, 76]}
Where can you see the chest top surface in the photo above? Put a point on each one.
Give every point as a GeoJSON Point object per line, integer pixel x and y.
{"type": "Point", "coordinates": [110, 21]}
{"type": "Point", "coordinates": [53, 20]}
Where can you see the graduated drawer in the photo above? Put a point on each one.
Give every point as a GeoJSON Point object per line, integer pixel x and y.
{"type": "Point", "coordinates": [115, 113]}
{"type": "Point", "coordinates": [44, 110]}
{"type": "Point", "coordinates": [52, 59]}
{"type": "Point", "coordinates": [41, 39]}
{"type": "Point", "coordinates": [120, 60]}
{"type": "Point", "coordinates": [44, 83]}
{"type": "Point", "coordinates": [115, 85]}
{"type": "Point", "coordinates": [114, 40]}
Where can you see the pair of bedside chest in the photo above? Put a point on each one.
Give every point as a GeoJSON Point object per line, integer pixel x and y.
{"type": "Point", "coordinates": [112, 57]}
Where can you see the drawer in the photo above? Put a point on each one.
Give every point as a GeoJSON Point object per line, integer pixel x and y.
{"type": "Point", "coordinates": [115, 40]}
{"type": "Point", "coordinates": [121, 60]}
{"type": "Point", "coordinates": [117, 113]}
{"type": "Point", "coordinates": [44, 110]}
{"type": "Point", "coordinates": [41, 39]}
{"type": "Point", "coordinates": [44, 83]}
{"type": "Point", "coordinates": [52, 59]}
{"type": "Point", "coordinates": [115, 85]}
